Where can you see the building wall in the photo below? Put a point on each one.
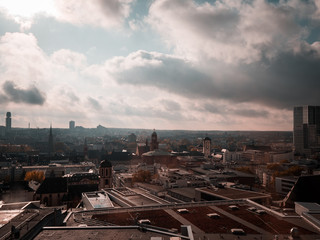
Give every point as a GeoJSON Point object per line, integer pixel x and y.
{"type": "Point", "coordinates": [231, 156]}
{"type": "Point", "coordinates": [306, 128]}
{"type": "Point", "coordinates": [105, 178]}
{"type": "Point", "coordinates": [284, 185]}
{"type": "Point", "coordinates": [50, 199]}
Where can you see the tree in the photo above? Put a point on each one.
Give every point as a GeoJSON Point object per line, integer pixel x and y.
{"type": "Point", "coordinates": [245, 170]}
{"type": "Point", "coordinates": [274, 167]}
{"type": "Point", "coordinates": [292, 171]}
{"type": "Point", "coordinates": [35, 175]}
{"type": "Point", "coordinates": [141, 176]}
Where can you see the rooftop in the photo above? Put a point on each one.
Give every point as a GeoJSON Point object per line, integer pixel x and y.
{"type": "Point", "coordinates": [312, 207]}
{"type": "Point", "coordinates": [157, 152]}
{"type": "Point", "coordinates": [231, 193]}
{"type": "Point", "coordinates": [188, 192]}
{"type": "Point", "coordinates": [98, 200]}
{"type": "Point", "coordinates": [168, 217]}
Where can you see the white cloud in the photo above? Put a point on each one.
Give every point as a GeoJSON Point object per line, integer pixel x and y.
{"type": "Point", "coordinates": [21, 59]}
{"type": "Point", "coordinates": [68, 58]}
{"type": "Point", "coordinates": [100, 13]}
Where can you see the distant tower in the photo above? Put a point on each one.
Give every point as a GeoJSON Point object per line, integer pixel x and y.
{"type": "Point", "coordinates": [206, 147]}
{"type": "Point", "coordinates": [50, 143]}
{"type": "Point", "coordinates": [72, 124]}
{"type": "Point", "coordinates": [105, 172]}
{"type": "Point", "coordinates": [8, 121]}
{"type": "Point", "coordinates": [154, 141]}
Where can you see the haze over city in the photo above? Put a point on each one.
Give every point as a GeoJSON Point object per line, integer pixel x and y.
{"type": "Point", "coordinates": [164, 64]}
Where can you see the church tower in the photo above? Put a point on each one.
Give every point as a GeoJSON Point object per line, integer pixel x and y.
{"type": "Point", "coordinates": [50, 142]}
{"type": "Point", "coordinates": [105, 172]}
{"type": "Point", "coordinates": [206, 147]}
{"type": "Point", "coordinates": [154, 141]}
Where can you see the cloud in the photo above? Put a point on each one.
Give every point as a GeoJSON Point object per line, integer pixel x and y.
{"type": "Point", "coordinates": [171, 105]}
{"type": "Point", "coordinates": [17, 95]}
{"type": "Point", "coordinates": [68, 58]}
{"type": "Point", "coordinates": [242, 110]}
{"type": "Point", "coordinates": [229, 31]}
{"type": "Point", "coordinates": [94, 103]}
{"type": "Point", "coordinates": [281, 83]}
{"type": "Point", "coordinates": [99, 13]}
{"type": "Point", "coordinates": [160, 70]}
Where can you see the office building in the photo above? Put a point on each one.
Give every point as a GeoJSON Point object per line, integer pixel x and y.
{"type": "Point", "coordinates": [72, 124]}
{"type": "Point", "coordinates": [8, 121]}
{"type": "Point", "coordinates": [306, 129]}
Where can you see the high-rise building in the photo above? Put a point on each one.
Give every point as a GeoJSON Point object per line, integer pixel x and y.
{"type": "Point", "coordinates": [8, 121]}
{"type": "Point", "coordinates": [306, 129]}
{"type": "Point", "coordinates": [72, 124]}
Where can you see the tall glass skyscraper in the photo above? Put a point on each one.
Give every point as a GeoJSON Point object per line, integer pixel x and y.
{"type": "Point", "coordinates": [306, 129]}
{"type": "Point", "coordinates": [8, 120]}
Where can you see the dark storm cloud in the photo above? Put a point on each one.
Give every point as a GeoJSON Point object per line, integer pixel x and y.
{"type": "Point", "coordinates": [15, 94]}
{"type": "Point", "coordinates": [235, 110]}
{"type": "Point", "coordinates": [166, 72]}
{"type": "Point", "coordinates": [281, 82]}
{"type": "Point", "coordinates": [289, 79]}
{"type": "Point", "coordinates": [251, 113]}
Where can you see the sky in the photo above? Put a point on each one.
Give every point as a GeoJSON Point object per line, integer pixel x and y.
{"type": "Point", "coordinates": [163, 64]}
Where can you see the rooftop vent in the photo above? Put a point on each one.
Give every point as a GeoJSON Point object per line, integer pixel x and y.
{"type": "Point", "coordinates": [233, 207]}
{"type": "Point", "coordinates": [182, 210]}
{"type": "Point", "coordinates": [213, 215]}
{"type": "Point", "coordinates": [144, 221]}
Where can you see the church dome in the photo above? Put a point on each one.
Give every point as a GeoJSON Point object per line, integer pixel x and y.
{"type": "Point", "coordinates": [105, 164]}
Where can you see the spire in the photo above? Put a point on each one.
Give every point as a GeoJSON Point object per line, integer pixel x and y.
{"type": "Point", "coordinates": [50, 144]}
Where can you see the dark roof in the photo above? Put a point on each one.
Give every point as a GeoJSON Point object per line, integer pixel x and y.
{"type": "Point", "coordinates": [118, 156]}
{"type": "Point", "coordinates": [77, 190]}
{"type": "Point", "coordinates": [105, 164]}
{"type": "Point", "coordinates": [76, 177]}
{"type": "Point", "coordinates": [304, 190]}
{"type": "Point", "coordinates": [258, 148]}
{"type": "Point", "coordinates": [94, 153]}
{"type": "Point", "coordinates": [207, 138]}
{"type": "Point", "coordinates": [53, 185]}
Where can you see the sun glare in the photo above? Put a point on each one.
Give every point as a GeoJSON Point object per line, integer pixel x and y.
{"type": "Point", "coordinates": [27, 9]}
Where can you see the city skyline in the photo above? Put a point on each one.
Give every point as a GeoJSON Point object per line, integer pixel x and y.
{"type": "Point", "coordinates": [164, 64]}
